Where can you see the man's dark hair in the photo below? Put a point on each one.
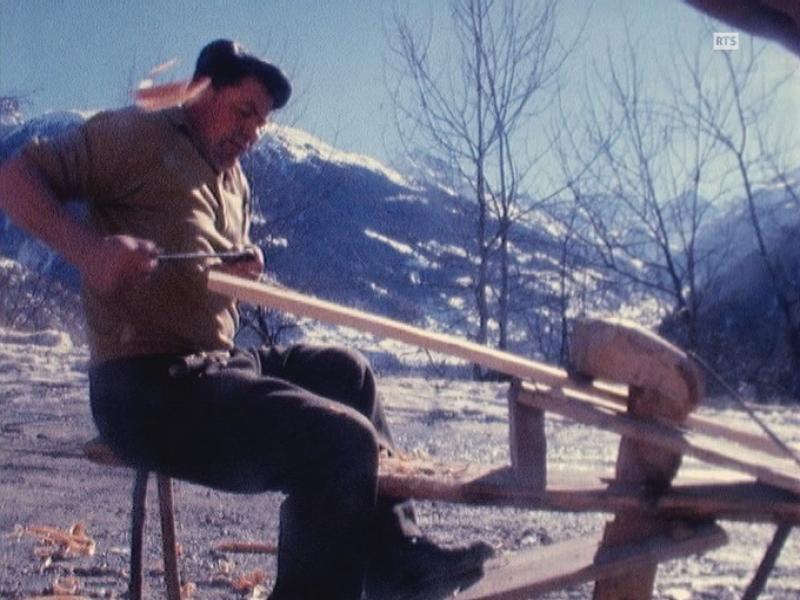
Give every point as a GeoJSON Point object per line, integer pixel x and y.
{"type": "Point", "coordinates": [227, 63]}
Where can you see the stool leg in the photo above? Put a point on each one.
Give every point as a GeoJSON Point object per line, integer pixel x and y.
{"type": "Point", "coordinates": [137, 534]}
{"type": "Point", "coordinates": [168, 538]}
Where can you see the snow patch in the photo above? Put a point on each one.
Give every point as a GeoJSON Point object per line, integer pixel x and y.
{"type": "Point", "coordinates": [303, 146]}
{"type": "Point", "coordinates": [7, 263]}
{"type": "Point", "coordinates": [393, 244]}
{"type": "Point", "coordinates": [57, 340]}
{"type": "Point", "coordinates": [69, 116]}
{"type": "Point", "coordinates": [381, 291]}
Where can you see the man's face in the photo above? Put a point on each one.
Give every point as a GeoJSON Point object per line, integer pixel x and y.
{"type": "Point", "coordinates": [232, 119]}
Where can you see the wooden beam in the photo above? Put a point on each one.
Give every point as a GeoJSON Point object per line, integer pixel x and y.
{"type": "Point", "coordinates": [624, 352]}
{"type": "Point", "coordinates": [714, 450]}
{"type": "Point", "coordinates": [558, 566]}
{"type": "Point", "coordinates": [580, 491]}
{"type": "Point", "coordinates": [503, 362]}
{"type": "Point", "coordinates": [747, 439]}
{"type": "Point", "coordinates": [527, 442]}
{"type": "Point", "coordinates": [618, 395]}
{"type": "Point", "coordinates": [305, 306]}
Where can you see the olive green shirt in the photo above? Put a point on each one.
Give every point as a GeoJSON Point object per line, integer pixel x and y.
{"type": "Point", "coordinates": [143, 175]}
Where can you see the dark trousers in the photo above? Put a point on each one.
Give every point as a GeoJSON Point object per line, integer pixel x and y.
{"type": "Point", "coordinates": [306, 421]}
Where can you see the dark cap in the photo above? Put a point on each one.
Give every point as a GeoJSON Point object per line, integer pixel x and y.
{"type": "Point", "coordinates": [227, 63]}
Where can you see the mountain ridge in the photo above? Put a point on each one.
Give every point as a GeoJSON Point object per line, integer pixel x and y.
{"type": "Point", "coordinates": [347, 228]}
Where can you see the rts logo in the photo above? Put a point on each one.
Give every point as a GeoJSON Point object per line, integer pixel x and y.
{"type": "Point", "coordinates": [727, 41]}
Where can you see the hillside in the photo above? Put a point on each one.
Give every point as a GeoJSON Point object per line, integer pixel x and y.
{"type": "Point", "coordinates": [46, 418]}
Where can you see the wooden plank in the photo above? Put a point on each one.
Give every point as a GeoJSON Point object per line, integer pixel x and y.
{"type": "Point", "coordinates": [557, 566]}
{"type": "Point", "coordinates": [618, 395]}
{"type": "Point", "coordinates": [781, 473]}
{"type": "Point", "coordinates": [302, 305]}
{"type": "Point", "coordinates": [581, 491]}
{"type": "Point", "coordinates": [299, 304]}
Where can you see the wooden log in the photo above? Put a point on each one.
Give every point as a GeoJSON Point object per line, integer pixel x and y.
{"type": "Point", "coordinates": [622, 351]}
{"type": "Point", "coordinates": [527, 440]}
{"type": "Point", "coordinates": [558, 566]}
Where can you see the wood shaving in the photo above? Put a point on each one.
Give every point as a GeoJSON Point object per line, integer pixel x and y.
{"type": "Point", "coordinates": [163, 67]}
{"type": "Point", "coordinates": [246, 547]}
{"type": "Point", "coordinates": [249, 581]}
{"type": "Point", "coordinates": [225, 568]}
{"type": "Point", "coordinates": [57, 597]}
{"type": "Point", "coordinates": [60, 544]}
{"type": "Point", "coordinates": [188, 590]}
{"type": "Point", "coordinates": [253, 584]}
{"type": "Point", "coordinates": [66, 586]}
{"type": "Point", "coordinates": [169, 94]}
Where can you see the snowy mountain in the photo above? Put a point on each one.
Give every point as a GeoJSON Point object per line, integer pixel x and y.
{"type": "Point", "coordinates": [345, 227]}
{"type": "Point", "coordinates": [744, 328]}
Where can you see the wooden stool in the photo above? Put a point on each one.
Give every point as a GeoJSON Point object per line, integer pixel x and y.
{"type": "Point", "coordinates": [99, 452]}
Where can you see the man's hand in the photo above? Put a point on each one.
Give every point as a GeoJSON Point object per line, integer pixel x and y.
{"type": "Point", "coordinates": [250, 269]}
{"type": "Point", "coordinates": [116, 261]}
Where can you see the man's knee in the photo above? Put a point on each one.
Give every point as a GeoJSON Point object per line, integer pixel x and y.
{"type": "Point", "coordinates": [355, 438]}
{"type": "Point", "coordinates": [344, 375]}
{"type": "Point", "coordinates": [350, 364]}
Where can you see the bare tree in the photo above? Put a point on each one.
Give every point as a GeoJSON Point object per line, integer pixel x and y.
{"type": "Point", "coordinates": [470, 117]}
{"type": "Point", "coordinates": [645, 163]}
{"type": "Point", "coordinates": [734, 110]}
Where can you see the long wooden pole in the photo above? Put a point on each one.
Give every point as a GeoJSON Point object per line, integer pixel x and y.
{"type": "Point", "coordinates": [306, 306]}
{"type": "Point", "coordinates": [329, 312]}
{"type": "Point", "coordinates": [263, 294]}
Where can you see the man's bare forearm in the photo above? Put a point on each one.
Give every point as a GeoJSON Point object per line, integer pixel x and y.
{"type": "Point", "coordinates": [30, 203]}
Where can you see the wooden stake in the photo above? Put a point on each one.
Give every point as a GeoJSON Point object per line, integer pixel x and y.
{"type": "Point", "coordinates": [527, 440]}
{"type": "Point", "coordinates": [664, 386]}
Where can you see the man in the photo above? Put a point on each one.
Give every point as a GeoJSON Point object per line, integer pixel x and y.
{"type": "Point", "coordinates": [168, 389]}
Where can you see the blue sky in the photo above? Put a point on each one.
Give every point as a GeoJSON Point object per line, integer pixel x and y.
{"type": "Point", "coordinates": [84, 54]}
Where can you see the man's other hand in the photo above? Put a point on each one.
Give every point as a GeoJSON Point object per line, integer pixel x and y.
{"type": "Point", "coordinates": [248, 268]}
{"type": "Point", "coordinates": [117, 261]}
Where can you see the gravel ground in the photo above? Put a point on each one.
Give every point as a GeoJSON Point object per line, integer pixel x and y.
{"type": "Point", "coordinates": [44, 481]}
